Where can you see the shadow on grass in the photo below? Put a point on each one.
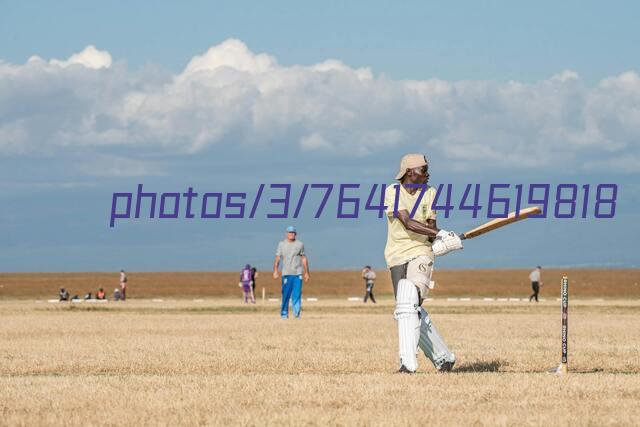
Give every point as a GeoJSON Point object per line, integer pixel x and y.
{"type": "Point", "coordinates": [496, 365]}
{"type": "Point", "coordinates": [604, 371]}
{"type": "Point", "coordinates": [482, 366]}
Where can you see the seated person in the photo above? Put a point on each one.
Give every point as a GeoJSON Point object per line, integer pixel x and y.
{"type": "Point", "coordinates": [116, 294]}
{"type": "Point", "coordinates": [63, 294]}
{"type": "Point", "coordinates": [101, 294]}
{"type": "Point", "coordinates": [87, 296]}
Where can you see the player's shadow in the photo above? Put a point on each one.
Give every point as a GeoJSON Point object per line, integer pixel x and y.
{"type": "Point", "coordinates": [481, 366]}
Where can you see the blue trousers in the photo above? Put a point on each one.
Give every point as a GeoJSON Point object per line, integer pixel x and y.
{"type": "Point", "coordinates": [291, 289]}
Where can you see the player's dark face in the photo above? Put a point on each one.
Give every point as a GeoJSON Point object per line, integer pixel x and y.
{"type": "Point", "coordinates": [420, 175]}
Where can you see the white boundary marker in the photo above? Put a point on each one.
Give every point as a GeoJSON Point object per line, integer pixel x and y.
{"type": "Point", "coordinates": [315, 299]}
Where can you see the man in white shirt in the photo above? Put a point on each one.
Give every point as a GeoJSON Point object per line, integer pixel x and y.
{"type": "Point", "coordinates": [369, 277]}
{"type": "Point", "coordinates": [535, 278]}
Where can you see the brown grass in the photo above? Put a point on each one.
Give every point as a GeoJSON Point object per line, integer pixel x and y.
{"type": "Point", "coordinates": [597, 283]}
{"type": "Point", "coordinates": [222, 363]}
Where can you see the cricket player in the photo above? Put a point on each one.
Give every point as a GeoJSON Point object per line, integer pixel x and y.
{"type": "Point", "coordinates": [536, 282]}
{"type": "Point", "coordinates": [295, 267]}
{"type": "Point", "coordinates": [123, 285]}
{"type": "Point", "coordinates": [369, 277]}
{"type": "Point", "coordinates": [411, 246]}
{"type": "Point", "coordinates": [245, 283]}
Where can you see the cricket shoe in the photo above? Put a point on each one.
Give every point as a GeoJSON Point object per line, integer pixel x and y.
{"type": "Point", "coordinates": [403, 370]}
{"type": "Point", "coordinates": [446, 366]}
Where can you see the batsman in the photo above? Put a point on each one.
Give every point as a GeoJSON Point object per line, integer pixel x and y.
{"type": "Point", "coordinates": [412, 244]}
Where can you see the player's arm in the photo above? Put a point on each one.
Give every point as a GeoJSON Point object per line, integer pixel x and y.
{"type": "Point", "coordinates": [443, 241]}
{"type": "Point", "coordinates": [276, 262]}
{"type": "Point", "coordinates": [432, 223]}
{"type": "Point", "coordinates": [428, 229]}
{"type": "Point", "coordinates": [305, 265]}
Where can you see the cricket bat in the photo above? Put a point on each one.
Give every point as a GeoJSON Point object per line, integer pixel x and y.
{"type": "Point", "coordinates": [500, 222]}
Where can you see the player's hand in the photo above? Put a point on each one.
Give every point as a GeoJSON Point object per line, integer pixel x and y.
{"type": "Point", "coordinates": [306, 276]}
{"type": "Point", "coordinates": [275, 274]}
{"type": "Point", "coordinates": [446, 241]}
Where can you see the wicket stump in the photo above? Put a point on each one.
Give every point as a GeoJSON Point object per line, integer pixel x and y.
{"type": "Point", "coordinates": [564, 292]}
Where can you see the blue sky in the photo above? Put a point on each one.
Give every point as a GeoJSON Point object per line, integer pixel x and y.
{"type": "Point", "coordinates": [454, 40]}
{"type": "Point", "coordinates": [98, 97]}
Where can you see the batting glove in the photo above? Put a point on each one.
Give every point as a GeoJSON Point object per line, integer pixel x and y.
{"type": "Point", "coordinates": [446, 241]}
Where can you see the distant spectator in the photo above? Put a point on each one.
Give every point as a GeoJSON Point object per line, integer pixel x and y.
{"type": "Point", "coordinates": [254, 274]}
{"type": "Point", "coordinates": [100, 294]}
{"type": "Point", "coordinates": [536, 281]}
{"type": "Point", "coordinates": [116, 294]}
{"type": "Point", "coordinates": [245, 284]}
{"type": "Point", "coordinates": [123, 285]}
{"type": "Point", "coordinates": [369, 277]}
{"type": "Point", "coordinates": [87, 296]}
{"type": "Point", "coordinates": [64, 295]}
{"type": "Point", "coordinates": [75, 298]}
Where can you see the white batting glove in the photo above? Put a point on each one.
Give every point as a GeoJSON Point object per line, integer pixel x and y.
{"type": "Point", "coordinates": [446, 241]}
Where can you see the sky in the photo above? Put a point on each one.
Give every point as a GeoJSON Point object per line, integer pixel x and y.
{"type": "Point", "coordinates": [96, 98]}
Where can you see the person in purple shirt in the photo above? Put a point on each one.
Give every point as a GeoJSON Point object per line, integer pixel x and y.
{"type": "Point", "coordinates": [245, 284]}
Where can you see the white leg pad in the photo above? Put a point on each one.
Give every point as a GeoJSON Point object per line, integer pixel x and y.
{"type": "Point", "coordinates": [432, 343]}
{"type": "Point", "coordinates": [408, 323]}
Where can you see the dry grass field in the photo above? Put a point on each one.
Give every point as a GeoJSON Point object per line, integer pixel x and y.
{"type": "Point", "coordinates": [220, 362]}
{"type": "Point", "coordinates": [591, 283]}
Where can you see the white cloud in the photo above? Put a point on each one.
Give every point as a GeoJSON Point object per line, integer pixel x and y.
{"type": "Point", "coordinates": [90, 57]}
{"type": "Point", "coordinates": [231, 96]}
{"type": "Point", "coordinates": [233, 54]}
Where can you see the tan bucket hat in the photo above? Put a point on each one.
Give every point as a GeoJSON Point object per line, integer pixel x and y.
{"type": "Point", "coordinates": [411, 161]}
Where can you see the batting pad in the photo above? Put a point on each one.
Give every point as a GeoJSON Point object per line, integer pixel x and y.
{"type": "Point", "coordinates": [432, 343]}
{"type": "Point", "coordinates": [408, 323]}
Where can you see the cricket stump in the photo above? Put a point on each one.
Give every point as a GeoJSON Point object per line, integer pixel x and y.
{"type": "Point", "coordinates": [564, 295]}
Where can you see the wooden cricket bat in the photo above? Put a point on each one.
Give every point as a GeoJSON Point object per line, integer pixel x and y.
{"type": "Point", "coordinates": [500, 222]}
